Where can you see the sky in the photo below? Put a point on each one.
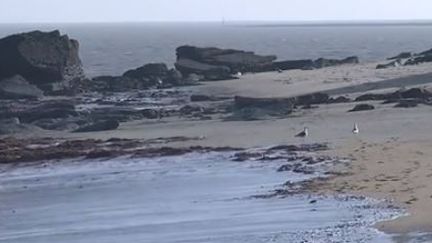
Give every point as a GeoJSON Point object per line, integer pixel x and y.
{"type": "Point", "coordinates": [37, 11]}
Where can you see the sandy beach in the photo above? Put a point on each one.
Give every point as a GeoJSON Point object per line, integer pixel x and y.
{"type": "Point", "coordinates": [391, 157]}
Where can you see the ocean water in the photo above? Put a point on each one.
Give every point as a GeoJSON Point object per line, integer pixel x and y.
{"type": "Point", "coordinates": [110, 49]}
{"type": "Point", "coordinates": [188, 198]}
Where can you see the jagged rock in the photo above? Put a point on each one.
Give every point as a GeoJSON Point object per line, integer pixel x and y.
{"type": "Point", "coordinates": [294, 64]}
{"type": "Point", "coordinates": [323, 62]}
{"type": "Point", "coordinates": [148, 70]}
{"type": "Point", "coordinates": [17, 87]}
{"type": "Point", "coordinates": [209, 72]}
{"type": "Point", "coordinates": [155, 74]}
{"type": "Point", "coordinates": [46, 59]}
{"type": "Point", "coordinates": [100, 126]}
{"type": "Point", "coordinates": [362, 107]}
{"type": "Point", "coordinates": [395, 63]}
{"type": "Point", "coordinates": [403, 55]}
{"type": "Point", "coordinates": [217, 64]}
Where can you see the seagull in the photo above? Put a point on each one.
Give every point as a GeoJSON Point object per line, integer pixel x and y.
{"type": "Point", "coordinates": [356, 130]}
{"type": "Point", "coordinates": [304, 133]}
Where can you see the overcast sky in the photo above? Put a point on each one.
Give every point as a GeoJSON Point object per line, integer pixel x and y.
{"type": "Point", "coordinates": [210, 10]}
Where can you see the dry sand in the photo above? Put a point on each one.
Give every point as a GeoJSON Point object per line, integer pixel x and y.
{"type": "Point", "coordinates": [392, 156]}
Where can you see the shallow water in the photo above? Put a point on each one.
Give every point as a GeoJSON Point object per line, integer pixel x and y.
{"type": "Point", "coordinates": [191, 198]}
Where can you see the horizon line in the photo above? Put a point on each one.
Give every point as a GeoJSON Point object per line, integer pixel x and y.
{"type": "Point", "coordinates": [224, 20]}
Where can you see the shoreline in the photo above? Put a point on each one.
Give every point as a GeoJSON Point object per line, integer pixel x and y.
{"type": "Point", "coordinates": [390, 156]}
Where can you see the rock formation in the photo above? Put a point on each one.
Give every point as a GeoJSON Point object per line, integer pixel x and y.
{"type": "Point", "coordinates": [46, 59]}
{"type": "Point", "coordinates": [214, 63]}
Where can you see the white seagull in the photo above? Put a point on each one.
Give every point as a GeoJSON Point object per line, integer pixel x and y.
{"type": "Point", "coordinates": [304, 133]}
{"type": "Point", "coordinates": [356, 129]}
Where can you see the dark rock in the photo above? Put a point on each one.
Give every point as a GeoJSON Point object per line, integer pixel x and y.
{"type": "Point", "coordinates": [249, 109]}
{"type": "Point", "coordinates": [340, 99]}
{"type": "Point", "coordinates": [367, 97]}
{"type": "Point", "coordinates": [323, 62]}
{"type": "Point", "coordinates": [403, 55]}
{"type": "Point", "coordinates": [155, 74]}
{"type": "Point", "coordinates": [61, 124]}
{"type": "Point", "coordinates": [115, 84]}
{"type": "Point", "coordinates": [265, 103]}
{"type": "Point", "coordinates": [201, 98]}
{"type": "Point", "coordinates": [217, 63]}
{"type": "Point", "coordinates": [46, 59]}
{"type": "Point", "coordinates": [208, 71]}
{"type": "Point", "coordinates": [419, 93]}
{"type": "Point", "coordinates": [189, 110]}
{"type": "Point", "coordinates": [294, 64]}
{"type": "Point", "coordinates": [100, 126]}
{"type": "Point", "coordinates": [148, 70]}
{"type": "Point", "coordinates": [312, 99]}
{"type": "Point", "coordinates": [362, 107]}
{"type": "Point", "coordinates": [287, 167]}
{"type": "Point", "coordinates": [408, 103]}
{"type": "Point", "coordinates": [17, 87]}
{"type": "Point", "coordinates": [48, 110]}
{"type": "Point", "coordinates": [395, 63]}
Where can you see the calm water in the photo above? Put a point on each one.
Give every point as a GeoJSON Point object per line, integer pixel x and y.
{"type": "Point", "coordinates": [114, 48]}
{"type": "Point", "coordinates": [182, 199]}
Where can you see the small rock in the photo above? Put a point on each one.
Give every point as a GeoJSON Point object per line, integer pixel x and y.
{"type": "Point", "coordinates": [362, 107]}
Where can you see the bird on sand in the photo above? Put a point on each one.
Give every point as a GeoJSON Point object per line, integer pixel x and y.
{"type": "Point", "coordinates": [356, 129]}
{"type": "Point", "coordinates": [304, 133]}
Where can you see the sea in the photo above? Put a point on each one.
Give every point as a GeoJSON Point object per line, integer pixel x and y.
{"type": "Point", "coordinates": [111, 49]}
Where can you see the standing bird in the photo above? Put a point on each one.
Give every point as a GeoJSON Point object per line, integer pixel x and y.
{"type": "Point", "coordinates": [356, 129]}
{"type": "Point", "coordinates": [304, 133]}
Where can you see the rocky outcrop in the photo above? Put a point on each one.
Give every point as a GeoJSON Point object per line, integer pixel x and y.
{"type": "Point", "coordinates": [17, 87]}
{"type": "Point", "coordinates": [155, 74]}
{"type": "Point", "coordinates": [215, 63]}
{"type": "Point", "coordinates": [48, 60]}
{"type": "Point", "coordinates": [362, 107]}
{"type": "Point", "coordinates": [307, 64]}
{"type": "Point", "coordinates": [403, 55]}
{"type": "Point", "coordinates": [419, 58]}
{"type": "Point", "coordinates": [152, 75]}
{"type": "Point", "coordinates": [208, 72]}
{"type": "Point", "coordinates": [100, 126]}
{"type": "Point", "coordinates": [396, 63]}
{"type": "Point", "coordinates": [413, 93]}
{"type": "Point", "coordinates": [312, 99]}
{"type": "Point", "coordinates": [323, 62]}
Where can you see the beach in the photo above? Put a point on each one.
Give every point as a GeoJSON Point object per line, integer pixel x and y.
{"type": "Point", "coordinates": [382, 172]}
{"type": "Point", "coordinates": [390, 155]}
